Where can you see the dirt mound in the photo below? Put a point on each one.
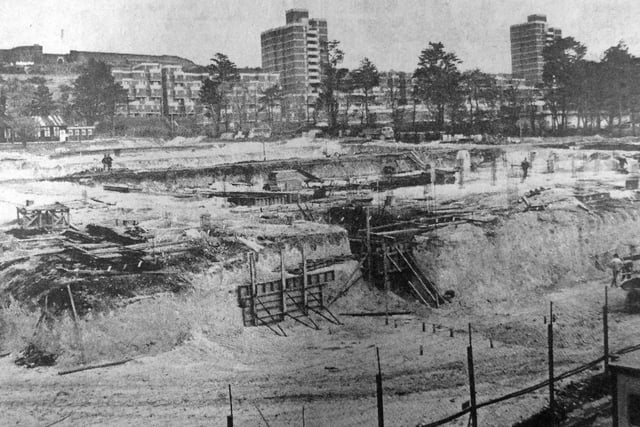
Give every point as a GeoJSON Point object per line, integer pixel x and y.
{"type": "Point", "coordinates": [524, 254]}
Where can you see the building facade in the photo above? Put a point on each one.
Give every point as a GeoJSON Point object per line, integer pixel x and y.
{"type": "Point", "coordinates": [297, 52]}
{"type": "Point", "coordinates": [527, 42]}
{"type": "Point", "coordinates": [247, 103]}
{"type": "Point", "coordinates": [159, 90]}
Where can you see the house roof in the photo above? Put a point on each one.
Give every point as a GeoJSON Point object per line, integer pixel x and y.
{"type": "Point", "coordinates": [47, 121]}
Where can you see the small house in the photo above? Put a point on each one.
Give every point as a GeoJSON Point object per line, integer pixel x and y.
{"type": "Point", "coordinates": [626, 390]}
{"type": "Point", "coordinates": [48, 128]}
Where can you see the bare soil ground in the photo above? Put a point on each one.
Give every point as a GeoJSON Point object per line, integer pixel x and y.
{"type": "Point", "coordinates": [331, 372]}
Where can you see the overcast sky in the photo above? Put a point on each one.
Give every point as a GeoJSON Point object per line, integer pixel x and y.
{"type": "Point", "coordinates": [390, 32]}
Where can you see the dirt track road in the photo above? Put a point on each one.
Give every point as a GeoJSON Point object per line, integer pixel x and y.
{"type": "Point", "coordinates": [330, 372]}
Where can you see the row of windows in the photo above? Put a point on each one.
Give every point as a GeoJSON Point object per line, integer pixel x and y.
{"type": "Point", "coordinates": [81, 132]}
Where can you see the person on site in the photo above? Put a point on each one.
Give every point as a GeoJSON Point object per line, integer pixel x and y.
{"type": "Point", "coordinates": [616, 265]}
{"type": "Point", "coordinates": [525, 168]}
{"type": "Point", "coordinates": [105, 161]}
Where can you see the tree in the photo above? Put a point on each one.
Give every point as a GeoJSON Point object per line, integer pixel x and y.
{"type": "Point", "coordinates": [331, 82]}
{"type": "Point", "coordinates": [559, 76]}
{"type": "Point", "coordinates": [42, 103]}
{"type": "Point", "coordinates": [96, 93]}
{"type": "Point", "coordinates": [621, 84]}
{"type": "Point", "coordinates": [346, 86]}
{"type": "Point", "coordinates": [481, 95]}
{"type": "Point", "coordinates": [214, 93]}
{"type": "Point", "coordinates": [17, 95]}
{"type": "Point", "coordinates": [397, 91]}
{"type": "Point", "coordinates": [510, 107]}
{"type": "Point", "coordinates": [269, 98]}
{"type": "Point", "coordinates": [64, 104]}
{"type": "Point", "coordinates": [366, 77]}
{"type": "Point", "coordinates": [438, 80]}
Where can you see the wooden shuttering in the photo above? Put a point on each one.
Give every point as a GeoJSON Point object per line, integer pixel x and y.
{"type": "Point", "coordinates": [271, 302]}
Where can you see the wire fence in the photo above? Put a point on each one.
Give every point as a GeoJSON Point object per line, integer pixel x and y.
{"type": "Point", "coordinates": [577, 341]}
{"type": "Point", "coordinates": [471, 408]}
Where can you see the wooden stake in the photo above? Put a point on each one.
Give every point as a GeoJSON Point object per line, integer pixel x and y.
{"type": "Point", "coordinates": [73, 304]}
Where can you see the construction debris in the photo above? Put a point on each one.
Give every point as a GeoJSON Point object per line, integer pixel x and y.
{"type": "Point", "coordinates": [45, 217]}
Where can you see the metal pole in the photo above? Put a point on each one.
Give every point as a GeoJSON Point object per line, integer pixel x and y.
{"type": "Point", "coordinates": [605, 328]}
{"type": "Point", "coordinates": [551, 379]}
{"type": "Point", "coordinates": [230, 417]}
{"type": "Point", "coordinates": [472, 383]}
{"type": "Point", "coordinates": [379, 392]}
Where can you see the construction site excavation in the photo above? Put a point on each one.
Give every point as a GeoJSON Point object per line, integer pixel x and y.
{"type": "Point", "coordinates": [316, 282]}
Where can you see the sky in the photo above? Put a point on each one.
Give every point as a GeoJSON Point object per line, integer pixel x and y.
{"type": "Point", "coordinates": [391, 33]}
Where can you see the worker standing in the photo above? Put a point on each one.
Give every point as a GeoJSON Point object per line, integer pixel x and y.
{"type": "Point", "coordinates": [616, 265]}
{"type": "Point", "coordinates": [525, 168]}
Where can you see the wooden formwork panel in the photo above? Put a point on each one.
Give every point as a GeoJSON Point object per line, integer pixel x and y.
{"type": "Point", "coordinates": [270, 302]}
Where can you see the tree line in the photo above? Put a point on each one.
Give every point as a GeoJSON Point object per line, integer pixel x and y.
{"type": "Point", "coordinates": [597, 94]}
{"type": "Point", "coordinates": [92, 98]}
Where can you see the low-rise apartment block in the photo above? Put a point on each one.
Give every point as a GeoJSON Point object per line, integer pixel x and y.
{"type": "Point", "coordinates": [159, 90]}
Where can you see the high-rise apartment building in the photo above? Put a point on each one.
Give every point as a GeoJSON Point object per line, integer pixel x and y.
{"type": "Point", "coordinates": [527, 41]}
{"type": "Point", "coordinates": [297, 52]}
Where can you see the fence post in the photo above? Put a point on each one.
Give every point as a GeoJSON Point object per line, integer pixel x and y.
{"type": "Point", "coordinates": [305, 297]}
{"type": "Point", "coordinates": [385, 266]}
{"type": "Point", "coordinates": [230, 417]}
{"type": "Point", "coordinates": [379, 392]}
{"type": "Point", "coordinates": [369, 255]}
{"type": "Point", "coordinates": [253, 291]}
{"type": "Point", "coordinates": [472, 383]}
{"type": "Point", "coordinates": [605, 329]}
{"type": "Point", "coordinates": [550, 348]}
{"type": "Point", "coordinates": [283, 285]}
